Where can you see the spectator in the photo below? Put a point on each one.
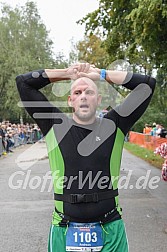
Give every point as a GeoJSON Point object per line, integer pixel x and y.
{"type": "Point", "coordinates": [154, 129]}
{"type": "Point", "coordinates": [158, 129]}
{"type": "Point", "coordinates": [147, 129]}
{"type": "Point", "coordinates": [103, 112]}
{"type": "Point", "coordinates": [163, 132]}
{"type": "Point", "coordinates": [14, 135]}
{"type": "Point", "coordinates": [9, 141]}
{"type": "Point", "coordinates": [2, 135]}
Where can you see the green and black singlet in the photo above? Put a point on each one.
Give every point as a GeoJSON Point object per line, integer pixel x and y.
{"type": "Point", "coordinates": [85, 160]}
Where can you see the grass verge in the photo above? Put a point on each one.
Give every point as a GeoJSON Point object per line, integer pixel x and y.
{"type": "Point", "coordinates": [145, 154]}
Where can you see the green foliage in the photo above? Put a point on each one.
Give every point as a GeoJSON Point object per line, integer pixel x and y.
{"type": "Point", "coordinates": [150, 116]}
{"type": "Point", "coordinates": [24, 46]}
{"type": "Point", "coordinates": [73, 55]}
{"type": "Point", "coordinates": [92, 50]}
{"type": "Point", "coordinates": [135, 30]}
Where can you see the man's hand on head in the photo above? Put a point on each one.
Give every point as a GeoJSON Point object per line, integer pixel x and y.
{"type": "Point", "coordinates": [93, 73]}
{"type": "Point", "coordinates": [83, 67]}
{"type": "Point", "coordinates": [74, 70]}
{"type": "Point", "coordinates": [79, 70]}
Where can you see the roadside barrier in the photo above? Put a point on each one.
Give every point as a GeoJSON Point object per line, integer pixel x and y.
{"type": "Point", "coordinates": [29, 138]}
{"type": "Point", "coordinates": [1, 147]}
{"type": "Point", "coordinates": [17, 140]}
{"type": "Point", "coordinates": [145, 140]}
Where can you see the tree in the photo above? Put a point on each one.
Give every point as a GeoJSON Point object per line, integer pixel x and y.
{"type": "Point", "coordinates": [135, 30]}
{"type": "Point", "coordinates": [25, 45]}
{"type": "Point", "coordinates": [73, 55]}
{"type": "Point", "coordinates": [91, 49]}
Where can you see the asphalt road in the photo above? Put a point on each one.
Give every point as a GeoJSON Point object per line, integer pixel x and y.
{"type": "Point", "coordinates": [26, 202]}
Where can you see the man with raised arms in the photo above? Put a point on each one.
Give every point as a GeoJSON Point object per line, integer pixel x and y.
{"type": "Point", "coordinates": [85, 218]}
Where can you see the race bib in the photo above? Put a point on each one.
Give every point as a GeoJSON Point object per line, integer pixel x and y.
{"type": "Point", "coordinates": [84, 237]}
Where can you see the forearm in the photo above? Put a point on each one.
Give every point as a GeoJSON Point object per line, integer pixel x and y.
{"type": "Point", "coordinates": [116, 77]}
{"type": "Point", "coordinates": [40, 78]}
{"type": "Point", "coordinates": [128, 79]}
{"type": "Point", "coordinates": [112, 76]}
{"type": "Point", "coordinates": [57, 74]}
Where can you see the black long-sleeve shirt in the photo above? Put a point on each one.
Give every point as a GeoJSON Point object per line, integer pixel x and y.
{"type": "Point", "coordinates": [86, 157]}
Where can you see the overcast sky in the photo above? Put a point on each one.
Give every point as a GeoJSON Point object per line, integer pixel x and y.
{"type": "Point", "coordinates": [60, 18]}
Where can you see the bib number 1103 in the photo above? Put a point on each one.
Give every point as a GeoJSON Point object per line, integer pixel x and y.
{"type": "Point", "coordinates": [85, 237]}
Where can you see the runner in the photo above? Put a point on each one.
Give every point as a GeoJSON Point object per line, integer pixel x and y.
{"type": "Point", "coordinates": [85, 153]}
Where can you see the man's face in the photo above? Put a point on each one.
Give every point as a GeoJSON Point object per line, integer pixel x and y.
{"type": "Point", "coordinates": [84, 99]}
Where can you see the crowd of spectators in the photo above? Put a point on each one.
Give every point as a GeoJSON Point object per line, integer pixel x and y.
{"type": "Point", "coordinates": [13, 135]}
{"type": "Point", "coordinates": [155, 130]}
